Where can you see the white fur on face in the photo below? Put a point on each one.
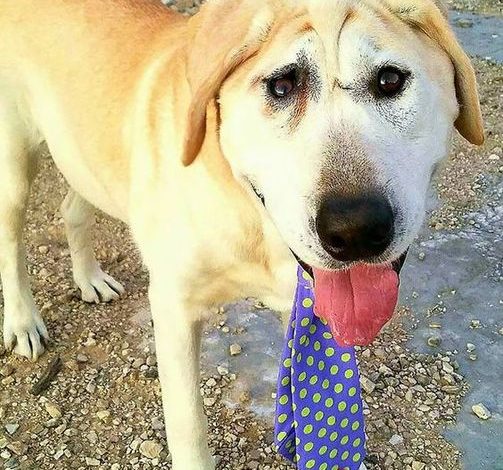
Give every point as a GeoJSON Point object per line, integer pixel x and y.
{"type": "Point", "coordinates": [346, 135]}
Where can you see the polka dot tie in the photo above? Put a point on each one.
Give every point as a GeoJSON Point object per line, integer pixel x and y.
{"type": "Point", "coordinates": [319, 416]}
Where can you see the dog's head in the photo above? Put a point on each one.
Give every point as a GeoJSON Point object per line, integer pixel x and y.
{"type": "Point", "coordinates": [336, 113]}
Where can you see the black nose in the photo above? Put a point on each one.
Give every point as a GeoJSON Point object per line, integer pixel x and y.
{"type": "Point", "coordinates": [355, 228]}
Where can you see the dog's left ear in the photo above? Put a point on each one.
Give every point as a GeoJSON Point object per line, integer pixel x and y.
{"type": "Point", "coordinates": [429, 16]}
{"type": "Point", "coordinates": [222, 36]}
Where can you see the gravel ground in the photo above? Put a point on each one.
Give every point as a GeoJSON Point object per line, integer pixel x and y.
{"type": "Point", "coordinates": [103, 410]}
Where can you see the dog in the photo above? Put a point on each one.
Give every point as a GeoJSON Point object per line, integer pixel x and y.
{"type": "Point", "coordinates": [234, 143]}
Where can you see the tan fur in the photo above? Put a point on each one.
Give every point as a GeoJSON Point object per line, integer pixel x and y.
{"type": "Point", "coordinates": [126, 94]}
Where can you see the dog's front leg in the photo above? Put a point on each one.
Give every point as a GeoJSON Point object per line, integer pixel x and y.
{"type": "Point", "coordinates": [178, 337]}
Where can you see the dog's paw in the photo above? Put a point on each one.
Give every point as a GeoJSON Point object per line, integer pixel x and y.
{"type": "Point", "coordinates": [97, 286]}
{"type": "Point", "coordinates": [25, 334]}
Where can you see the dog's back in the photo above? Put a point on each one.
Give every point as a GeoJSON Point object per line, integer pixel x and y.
{"type": "Point", "coordinates": [51, 50]}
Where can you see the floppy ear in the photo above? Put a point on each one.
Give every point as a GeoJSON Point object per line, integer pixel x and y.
{"type": "Point", "coordinates": [223, 35]}
{"type": "Point", "coordinates": [430, 18]}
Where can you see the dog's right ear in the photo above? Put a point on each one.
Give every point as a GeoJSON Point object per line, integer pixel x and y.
{"type": "Point", "coordinates": [222, 36]}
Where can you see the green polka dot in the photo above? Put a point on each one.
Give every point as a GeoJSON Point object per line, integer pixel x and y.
{"type": "Point", "coordinates": [357, 442]}
{"type": "Point", "coordinates": [305, 412]}
{"type": "Point", "coordinates": [323, 450]}
{"type": "Point", "coordinates": [285, 381]}
{"type": "Point", "coordinates": [355, 426]}
{"type": "Point", "coordinates": [348, 374]}
{"type": "Point", "coordinates": [290, 343]}
{"type": "Point", "coordinates": [356, 457]}
{"type": "Point", "coordinates": [354, 408]}
{"type": "Point", "coordinates": [331, 420]}
{"type": "Point", "coordinates": [344, 423]}
{"type": "Point", "coordinates": [281, 436]}
{"type": "Point", "coordinates": [287, 362]}
{"type": "Point", "coordinates": [319, 416]}
{"type": "Point", "coordinates": [345, 455]}
{"type": "Point", "coordinates": [305, 322]}
{"type": "Point", "coordinates": [327, 335]}
{"type": "Point", "coordinates": [334, 369]}
{"type": "Point", "coordinates": [310, 463]}
{"type": "Point", "coordinates": [296, 458]}
{"type": "Point", "coordinates": [306, 276]}
{"type": "Point", "coordinates": [313, 380]}
{"type": "Point", "coordinates": [295, 424]}
{"type": "Point", "coordinates": [317, 345]}
{"type": "Point", "coordinates": [299, 358]}
{"type": "Point", "coordinates": [282, 418]}
{"type": "Point", "coordinates": [342, 406]}
{"type": "Point", "coordinates": [325, 384]}
{"type": "Point", "coordinates": [307, 343]}
{"type": "Point", "coordinates": [293, 324]}
{"type": "Point", "coordinates": [302, 376]}
{"type": "Point", "coordinates": [324, 321]}
{"type": "Point", "coordinates": [303, 393]}
{"type": "Point", "coordinates": [283, 400]}
{"type": "Point", "coordinates": [333, 436]}
{"type": "Point", "coordinates": [352, 391]}
{"type": "Point", "coordinates": [294, 406]}
{"type": "Point", "coordinates": [312, 329]}
{"type": "Point", "coordinates": [294, 388]}
{"type": "Point", "coordinates": [309, 447]}
{"type": "Point", "coordinates": [333, 453]}
{"type": "Point", "coordinates": [329, 402]}
{"type": "Point", "coordinates": [308, 429]}
{"type": "Point", "coordinates": [329, 352]}
{"type": "Point", "coordinates": [307, 303]}
{"type": "Point", "coordinates": [346, 357]}
{"type": "Point", "coordinates": [323, 466]}
{"type": "Point", "coordinates": [321, 365]}
{"type": "Point", "coordinates": [335, 467]}
{"type": "Point", "coordinates": [344, 440]}
{"type": "Point", "coordinates": [338, 388]}
{"type": "Point", "coordinates": [322, 432]}
{"type": "Point", "coordinates": [303, 339]}
{"type": "Point", "coordinates": [316, 398]}
{"type": "Point", "coordinates": [297, 441]}
{"type": "Point", "coordinates": [310, 360]}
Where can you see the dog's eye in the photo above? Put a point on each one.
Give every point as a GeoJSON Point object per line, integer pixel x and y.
{"type": "Point", "coordinates": [390, 81]}
{"type": "Point", "coordinates": [282, 86]}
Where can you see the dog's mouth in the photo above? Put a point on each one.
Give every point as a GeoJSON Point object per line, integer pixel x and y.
{"type": "Point", "coordinates": [357, 301]}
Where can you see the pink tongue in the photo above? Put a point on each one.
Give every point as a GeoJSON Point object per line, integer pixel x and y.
{"type": "Point", "coordinates": [356, 303]}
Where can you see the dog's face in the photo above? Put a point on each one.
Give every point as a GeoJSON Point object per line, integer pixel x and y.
{"type": "Point", "coordinates": [338, 117]}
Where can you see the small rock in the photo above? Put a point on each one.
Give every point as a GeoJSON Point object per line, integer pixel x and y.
{"type": "Point", "coordinates": [470, 347]}
{"type": "Point", "coordinates": [494, 157]}
{"type": "Point", "coordinates": [150, 449]}
{"type": "Point", "coordinates": [209, 401]}
{"type": "Point", "coordinates": [6, 370]}
{"type": "Point", "coordinates": [103, 415]}
{"type": "Point", "coordinates": [43, 249]}
{"type": "Point", "coordinates": [421, 256]}
{"type": "Point", "coordinates": [367, 384]}
{"type": "Point", "coordinates": [82, 358]}
{"type": "Point", "coordinates": [92, 462]}
{"type": "Point", "coordinates": [396, 440]}
{"type": "Point", "coordinates": [416, 465]}
{"type": "Point", "coordinates": [481, 411]}
{"type": "Point", "coordinates": [11, 428]}
{"type": "Point", "coordinates": [53, 410]}
{"type": "Point", "coordinates": [157, 423]}
{"type": "Point", "coordinates": [235, 349]}
{"type": "Point", "coordinates": [222, 370]}
{"type": "Point", "coordinates": [434, 341]}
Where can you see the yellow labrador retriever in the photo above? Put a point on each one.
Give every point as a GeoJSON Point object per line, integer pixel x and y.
{"type": "Point", "coordinates": [230, 142]}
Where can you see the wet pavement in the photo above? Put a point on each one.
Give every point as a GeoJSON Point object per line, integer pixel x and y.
{"type": "Point", "coordinates": [457, 285]}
